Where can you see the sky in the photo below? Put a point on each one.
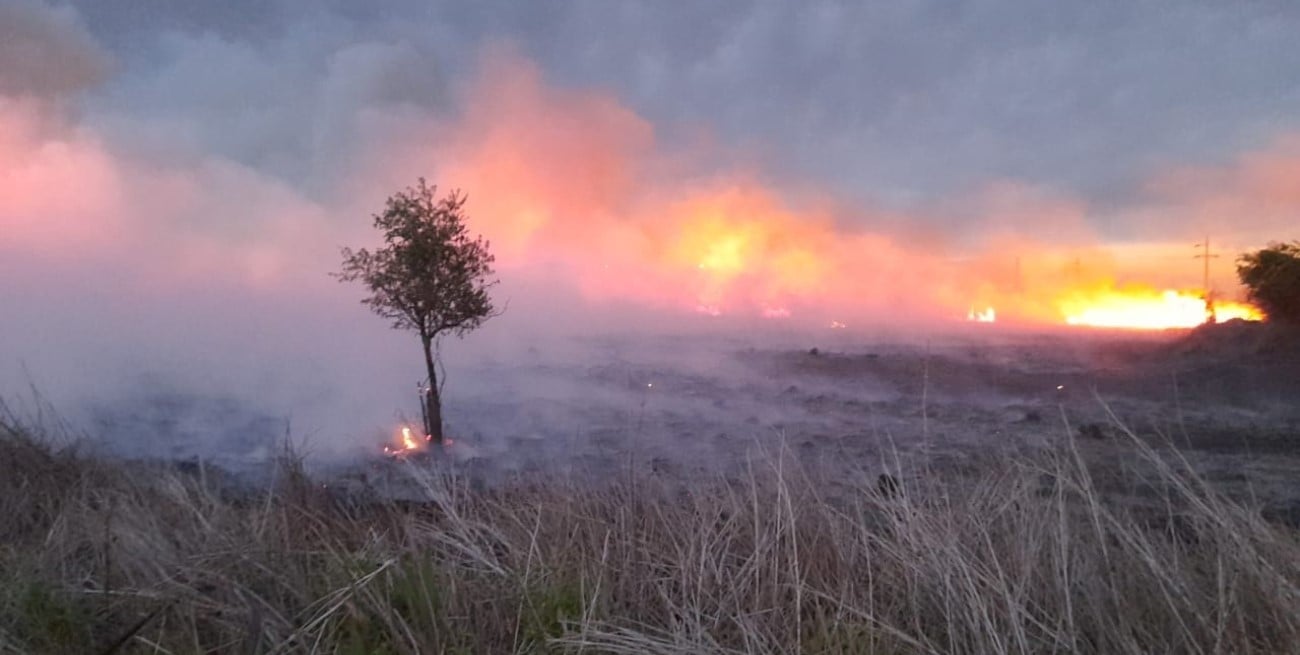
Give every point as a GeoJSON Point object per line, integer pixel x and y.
{"type": "Point", "coordinates": [176, 177]}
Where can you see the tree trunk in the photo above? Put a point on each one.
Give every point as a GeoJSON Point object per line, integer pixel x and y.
{"type": "Point", "coordinates": [432, 401]}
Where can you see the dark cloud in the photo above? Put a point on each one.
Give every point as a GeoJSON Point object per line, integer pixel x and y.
{"type": "Point", "coordinates": [46, 53]}
{"type": "Point", "coordinates": [896, 101]}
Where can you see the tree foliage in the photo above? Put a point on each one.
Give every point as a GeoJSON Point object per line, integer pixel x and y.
{"type": "Point", "coordinates": [431, 276]}
{"type": "Point", "coordinates": [1272, 278]}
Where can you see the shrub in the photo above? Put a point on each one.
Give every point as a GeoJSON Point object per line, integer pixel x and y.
{"type": "Point", "coordinates": [1272, 277]}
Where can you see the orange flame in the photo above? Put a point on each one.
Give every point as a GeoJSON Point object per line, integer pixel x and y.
{"type": "Point", "coordinates": [1141, 308]}
{"type": "Point", "coordinates": [406, 443]}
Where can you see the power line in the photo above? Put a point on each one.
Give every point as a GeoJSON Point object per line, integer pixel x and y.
{"type": "Point", "coordinates": [1206, 255]}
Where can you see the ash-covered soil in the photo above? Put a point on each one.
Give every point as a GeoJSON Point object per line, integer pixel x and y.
{"type": "Point", "coordinates": [851, 405]}
{"type": "Point", "coordinates": [847, 405]}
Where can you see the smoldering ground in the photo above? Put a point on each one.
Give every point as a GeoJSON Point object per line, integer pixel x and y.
{"type": "Point", "coordinates": [702, 402]}
{"type": "Point", "coordinates": [846, 404]}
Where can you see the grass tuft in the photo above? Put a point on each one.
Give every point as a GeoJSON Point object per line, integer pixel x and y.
{"type": "Point", "coordinates": [1026, 556]}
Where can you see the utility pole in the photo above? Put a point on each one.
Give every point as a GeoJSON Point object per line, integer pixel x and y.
{"type": "Point", "coordinates": [1206, 255]}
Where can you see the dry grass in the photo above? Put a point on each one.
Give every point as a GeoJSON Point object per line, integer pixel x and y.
{"type": "Point", "coordinates": [1028, 557]}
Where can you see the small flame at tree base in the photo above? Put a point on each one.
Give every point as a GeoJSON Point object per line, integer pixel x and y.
{"type": "Point", "coordinates": [406, 443]}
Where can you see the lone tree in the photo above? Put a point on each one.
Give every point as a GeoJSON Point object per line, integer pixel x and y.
{"type": "Point", "coordinates": [431, 277]}
{"type": "Point", "coordinates": [1272, 279]}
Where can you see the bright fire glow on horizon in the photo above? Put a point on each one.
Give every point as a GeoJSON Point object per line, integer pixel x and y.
{"type": "Point", "coordinates": [1132, 306]}
{"type": "Point", "coordinates": [1149, 309]}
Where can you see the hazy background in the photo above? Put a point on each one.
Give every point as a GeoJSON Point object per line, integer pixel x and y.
{"type": "Point", "coordinates": [176, 177]}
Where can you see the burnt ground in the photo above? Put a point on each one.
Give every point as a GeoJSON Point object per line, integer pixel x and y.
{"type": "Point", "coordinates": [848, 405]}
{"type": "Point", "coordinates": [853, 406]}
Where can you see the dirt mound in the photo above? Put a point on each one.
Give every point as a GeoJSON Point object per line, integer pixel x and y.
{"type": "Point", "coordinates": [1237, 338]}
